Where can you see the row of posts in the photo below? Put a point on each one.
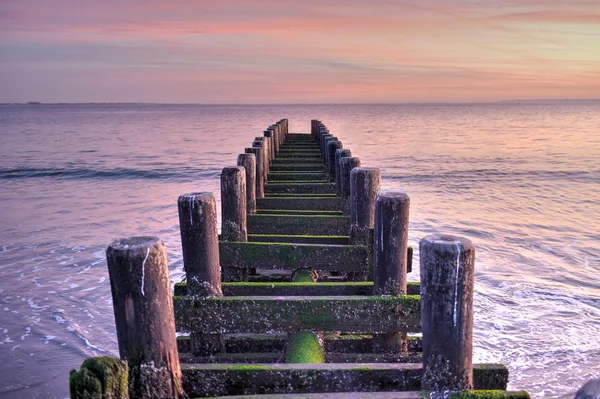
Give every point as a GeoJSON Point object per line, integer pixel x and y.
{"type": "Point", "coordinates": [142, 297]}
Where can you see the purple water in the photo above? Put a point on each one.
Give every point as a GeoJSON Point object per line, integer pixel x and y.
{"type": "Point", "coordinates": [522, 181]}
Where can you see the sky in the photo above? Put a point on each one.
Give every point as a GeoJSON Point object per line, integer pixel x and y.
{"type": "Point", "coordinates": [298, 51]}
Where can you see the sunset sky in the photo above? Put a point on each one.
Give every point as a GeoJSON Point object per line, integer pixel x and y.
{"type": "Point", "coordinates": [306, 51]}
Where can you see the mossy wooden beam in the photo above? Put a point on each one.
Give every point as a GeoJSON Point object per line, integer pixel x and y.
{"type": "Point", "coordinates": [298, 167]}
{"type": "Point", "coordinates": [297, 289]}
{"type": "Point", "coordinates": [227, 379]}
{"type": "Point", "coordinates": [288, 176]}
{"type": "Point", "coordinates": [313, 203]}
{"type": "Point", "coordinates": [352, 314]}
{"type": "Point", "coordinates": [277, 357]}
{"type": "Point", "coordinates": [100, 378]}
{"type": "Point", "coordinates": [222, 379]}
{"type": "Point", "coordinates": [300, 188]}
{"type": "Point", "coordinates": [299, 212]}
{"type": "Point", "coordinates": [289, 256]}
{"type": "Point", "coordinates": [334, 343]}
{"type": "Point", "coordinates": [304, 196]}
{"type": "Point", "coordinates": [298, 224]}
{"type": "Point", "coordinates": [387, 395]}
{"type": "Point", "coordinates": [299, 239]}
{"type": "Point", "coordinates": [298, 156]}
{"type": "Point", "coordinates": [490, 394]}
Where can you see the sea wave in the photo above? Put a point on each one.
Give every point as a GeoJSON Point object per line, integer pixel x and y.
{"type": "Point", "coordinates": [177, 173]}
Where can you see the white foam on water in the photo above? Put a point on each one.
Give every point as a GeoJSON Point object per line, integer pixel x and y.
{"type": "Point", "coordinates": [85, 269]}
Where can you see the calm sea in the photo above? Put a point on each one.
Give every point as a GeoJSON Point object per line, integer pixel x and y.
{"type": "Point", "coordinates": [522, 181]}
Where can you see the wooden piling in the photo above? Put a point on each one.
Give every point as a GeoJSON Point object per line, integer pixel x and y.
{"type": "Point", "coordinates": [326, 150]}
{"type": "Point", "coordinates": [339, 154]}
{"type": "Point", "coordinates": [200, 243]}
{"type": "Point", "coordinates": [390, 244]}
{"type": "Point", "coordinates": [364, 187]}
{"type": "Point", "coordinates": [233, 204]}
{"type": "Point", "coordinates": [248, 162]}
{"type": "Point", "coordinates": [346, 166]}
{"type": "Point", "coordinates": [144, 316]}
{"type": "Point", "coordinates": [260, 175]}
{"type": "Point", "coordinates": [447, 277]}
{"type": "Point", "coordinates": [270, 136]}
{"type": "Point", "coordinates": [332, 147]}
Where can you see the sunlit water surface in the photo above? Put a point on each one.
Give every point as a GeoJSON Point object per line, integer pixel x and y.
{"type": "Point", "coordinates": [521, 181]}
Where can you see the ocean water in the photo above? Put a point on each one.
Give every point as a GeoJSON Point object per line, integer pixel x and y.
{"type": "Point", "coordinates": [522, 181]}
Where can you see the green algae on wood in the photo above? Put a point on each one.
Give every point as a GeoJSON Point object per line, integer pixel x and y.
{"type": "Point", "coordinates": [261, 314]}
{"type": "Point", "coordinates": [292, 256]}
{"type": "Point", "coordinates": [100, 377]}
{"type": "Point", "coordinates": [298, 224]}
{"type": "Point", "coordinates": [297, 288]}
{"type": "Point", "coordinates": [490, 394]}
{"type": "Point", "coordinates": [490, 376]}
{"type": "Point", "coordinates": [304, 347]}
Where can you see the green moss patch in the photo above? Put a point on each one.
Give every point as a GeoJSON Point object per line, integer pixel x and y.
{"type": "Point", "coordinates": [304, 347]}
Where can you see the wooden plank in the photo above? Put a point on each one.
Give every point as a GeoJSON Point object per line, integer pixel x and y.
{"type": "Point", "coordinates": [297, 212]}
{"type": "Point", "coordinates": [300, 188]}
{"type": "Point", "coordinates": [262, 343]}
{"type": "Point", "coordinates": [299, 239]}
{"type": "Point", "coordinates": [313, 161]}
{"type": "Point", "coordinates": [277, 357]}
{"type": "Point", "coordinates": [288, 176]}
{"type": "Point", "coordinates": [227, 379]}
{"type": "Point", "coordinates": [310, 203]}
{"type": "Point", "coordinates": [308, 167]}
{"type": "Point", "coordinates": [290, 256]}
{"type": "Point", "coordinates": [297, 289]}
{"type": "Point", "coordinates": [260, 314]}
{"type": "Point", "coordinates": [298, 224]}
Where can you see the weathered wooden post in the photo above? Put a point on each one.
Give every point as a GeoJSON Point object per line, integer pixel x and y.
{"type": "Point", "coordinates": [248, 162]}
{"type": "Point", "coordinates": [324, 136]}
{"type": "Point", "coordinates": [274, 138]}
{"type": "Point", "coordinates": [200, 243]}
{"type": "Point", "coordinates": [259, 178]}
{"type": "Point", "coordinates": [390, 266]}
{"type": "Point", "coordinates": [233, 204]}
{"type": "Point", "coordinates": [339, 154]}
{"type": "Point", "coordinates": [313, 128]}
{"type": "Point", "coordinates": [269, 135]}
{"type": "Point", "coordinates": [143, 306]}
{"type": "Point", "coordinates": [332, 147]}
{"type": "Point", "coordinates": [447, 278]}
{"type": "Point", "coordinates": [346, 166]}
{"type": "Point", "coordinates": [327, 152]}
{"type": "Point", "coordinates": [263, 143]}
{"type": "Point", "coordinates": [364, 187]}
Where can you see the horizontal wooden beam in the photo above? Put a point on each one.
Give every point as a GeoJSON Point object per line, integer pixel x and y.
{"type": "Point", "coordinates": [259, 314]}
{"type": "Point", "coordinates": [334, 343]}
{"type": "Point", "coordinates": [297, 289]}
{"type": "Point", "coordinates": [298, 167]}
{"type": "Point", "coordinates": [300, 188]}
{"type": "Point", "coordinates": [227, 379]}
{"type": "Point", "coordinates": [299, 239]}
{"type": "Point", "coordinates": [291, 256]}
{"type": "Point", "coordinates": [298, 224]}
{"type": "Point", "coordinates": [287, 176]}
{"type": "Point", "coordinates": [314, 203]}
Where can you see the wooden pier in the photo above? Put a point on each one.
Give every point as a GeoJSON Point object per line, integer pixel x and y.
{"type": "Point", "coordinates": [304, 293]}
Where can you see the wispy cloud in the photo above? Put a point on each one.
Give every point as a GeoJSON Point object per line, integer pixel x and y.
{"type": "Point", "coordinates": [301, 50]}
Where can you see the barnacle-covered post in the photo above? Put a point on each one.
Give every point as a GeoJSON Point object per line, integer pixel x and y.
{"type": "Point", "coordinates": [270, 137]}
{"type": "Point", "coordinates": [248, 162]}
{"type": "Point", "coordinates": [390, 266]}
{"type": "Point", "coordinates": [447, 277]}
{"type": "Point", "coordinates": [332, 147]}
{"type": "Point", "coordinates": [339, 154]}
{"type": "Point", "coordinates": [323, 144]}
{"type": "Point", "coordinates": [261, 143]}
{"type": "Point", "coordinates": [327, 152]}
{"type": "Point", "coordinates": [364, 187]}
{"type": "Point", "coordinates": [346, 166]}
{"type": "Point", "coordinates": [143, 306]}
{"type": "Point", "coordinates": [200, 243]}
{"type": "Point", "coordinates": [260, 177]}
{"type": "Point", "coordinates": [233, 214]}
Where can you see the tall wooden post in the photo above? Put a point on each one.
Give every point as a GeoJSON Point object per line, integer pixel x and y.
{"type": "Point", "coordinates": [346, 166]}
{"type": "Point", "coordinates": [332, 147]}
{"type": "Point", "coordinates": [261, 142]}
{"type": "Point", "coordinates": [260, 177]}
{"type": "Point", "coordinates": [143, 306]}
{"type": "Point", "coordinates": [364, 187]}
{"type": "Point", "coordinates": [200, 243]}
{"type": "Point", "coordinates": [233, 204]}
{"type": "Point", "coordinates": [269, 135]}
{"type": "Point", "coordinates": [390, 267]}
{"type": "Point", "coordinates": [339, 154]}
{"type": "Point", "coordinates": [248, 161]}
{"type": "Point", "coordinates": [447, 278]}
